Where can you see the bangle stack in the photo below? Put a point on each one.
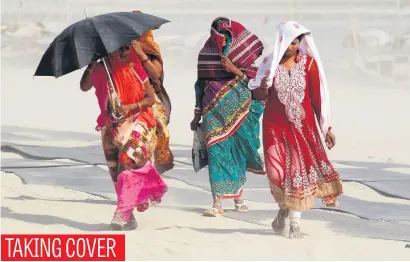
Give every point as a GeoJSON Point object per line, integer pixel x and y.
{"type": "Point", "coordinates": [197, 111]}
{"type": "Point", "coordinates": [244, 78]}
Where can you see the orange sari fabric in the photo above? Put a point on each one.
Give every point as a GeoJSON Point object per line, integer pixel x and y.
{"type": "Point", "coordinates": [129, 86]}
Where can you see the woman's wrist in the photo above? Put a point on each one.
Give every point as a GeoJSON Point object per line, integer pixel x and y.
{"type": "Point", "coordinates": [136, 107]}
{"type": "Point", "coordinates": [90, 70]}
{"type": "Point", "coordinates": [240, 74]}
{"type": "Point", "coordinates": [245, 78]}
{"type": "Point", "coordinates": [197, 111]}
{"type": "Point", "coordinates": [143, 57]}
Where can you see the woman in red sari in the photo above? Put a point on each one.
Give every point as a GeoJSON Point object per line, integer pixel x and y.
{"type": "Point", "coordinates": [294, 84]}
{"type": "Point", "coordinates": [128, 143]}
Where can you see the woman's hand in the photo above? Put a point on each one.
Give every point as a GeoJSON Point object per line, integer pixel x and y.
{"type": "Point", "coordinates": [86, 80]}
{"type": "Point", "coordinates": [126, 109]}
{"type": "Point", "coordinates": [123, 110]}
{"type": "Point", "coordinates": [260, 94]}
{"type": "Point", "coordinates": [330, 140]}
{"type": "Point", "coordinates": [91, 67]}
{"type": "Point", "coordinates": [138, 48]}
{"type": "Point", "coordinates": [230, 67]}
{"type": "Point", "coordinates": [264, 83]}
{"type": "Point", "coordinates": [195, 122]}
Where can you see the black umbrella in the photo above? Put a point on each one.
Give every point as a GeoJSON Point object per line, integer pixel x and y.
{"type": "Point", "coordinates": [92, 38]}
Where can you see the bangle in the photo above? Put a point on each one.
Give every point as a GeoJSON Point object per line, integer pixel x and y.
{"type": "Point", "coordinates": [144, 60]}
{"type": "Point", "coordinates": [244, 78]}
{"type": "Point", "coordinates": [197, 111]}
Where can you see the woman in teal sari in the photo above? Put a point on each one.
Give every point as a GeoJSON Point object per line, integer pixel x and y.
{"type": "Point", "coordinates": [229, 110]}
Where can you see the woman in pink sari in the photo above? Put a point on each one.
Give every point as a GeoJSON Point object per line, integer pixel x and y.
{"type": "Point", "coordinates": [128, 143]}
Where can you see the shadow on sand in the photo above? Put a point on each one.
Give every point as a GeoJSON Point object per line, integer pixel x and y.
{"type": "Point", "coordinates": [264, 232]}
{"type": "Point", "coordinates": [47, 220]}
{"type": "Point", "coordinates": [86, 201]}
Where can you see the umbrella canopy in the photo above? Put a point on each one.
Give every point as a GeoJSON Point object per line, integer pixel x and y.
{"type": "Point", "coordinates": [92, 38]}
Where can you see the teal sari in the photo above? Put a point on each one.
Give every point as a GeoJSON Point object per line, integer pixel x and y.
{"type": "Point", "coordinates": [231, 122]}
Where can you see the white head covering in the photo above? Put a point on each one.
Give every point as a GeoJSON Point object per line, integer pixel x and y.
{"type": "Point", "coordinates": [287, 32]}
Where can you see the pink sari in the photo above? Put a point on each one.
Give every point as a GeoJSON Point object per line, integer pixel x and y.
{"type": "Point", "coordinates": [136, 187]}
{"type": "Point", "coordinates": [129, 145]}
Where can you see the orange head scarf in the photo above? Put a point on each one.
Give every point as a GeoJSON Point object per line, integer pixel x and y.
{"type": "Point", "coordinates": [150, 47]}
{"type": "Point", "coordinates": [148, 43]}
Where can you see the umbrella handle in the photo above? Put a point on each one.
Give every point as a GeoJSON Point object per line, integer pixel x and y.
{"type": "Point", "coordinates": [112, 93]}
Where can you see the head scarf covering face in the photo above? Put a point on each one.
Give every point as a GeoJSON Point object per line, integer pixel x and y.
{"type": "Point", "coordinates": [243, 49]}
{"type": "Point", "coordinates": [287, 32]}
{"type": "Point", "coordinates": [220, 32]}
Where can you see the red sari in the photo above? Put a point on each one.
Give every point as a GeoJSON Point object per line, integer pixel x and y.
{"type": "Point", "coordinates": [296, 161]}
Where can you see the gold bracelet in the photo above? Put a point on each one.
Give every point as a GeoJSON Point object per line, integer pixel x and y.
{"type": "Point", "coordinates": [145, 60]}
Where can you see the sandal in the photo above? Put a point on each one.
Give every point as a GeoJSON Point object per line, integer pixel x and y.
{"type": "Point", "coordinates": [132, 224]}
{"type": "Point", "coordinates": [117, 223]}
{"type": "Point", "coordinates": [294, 232]}
{"type": "Point", "coordinates": [240, 205]}
{"type": "Point", "coordinates": [241, 208]}
{"type": "Point", "coordinates": [214, 211]}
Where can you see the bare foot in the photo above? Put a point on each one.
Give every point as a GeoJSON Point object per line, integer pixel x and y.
{"type": "Point", "coordinates": [278, 225]}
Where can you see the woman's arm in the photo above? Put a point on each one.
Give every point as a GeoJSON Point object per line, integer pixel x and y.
{"type": "Point", "coordinates": [230, 67]}
{"type": "Point", "coordinates": [86, 82]}
{"type": "Point", "coordinates": [152, 66]}
{"type": "Point", "coordinates": [199, 95]}
{"type": "Point", "coordinates": [149, 98]}
{"type": "Point", "coordinates": [316, 101]}
{"type": "Point", "coordinates": [314, 88]}
{"type": "Point", "coordinates": [148, 101]}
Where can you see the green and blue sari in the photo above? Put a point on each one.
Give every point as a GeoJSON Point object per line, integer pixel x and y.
{"type": "Point", "coordinates": [230, 116]}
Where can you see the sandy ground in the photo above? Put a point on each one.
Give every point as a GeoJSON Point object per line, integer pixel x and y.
{"type": "Point", "coordinates": [183, 235]}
